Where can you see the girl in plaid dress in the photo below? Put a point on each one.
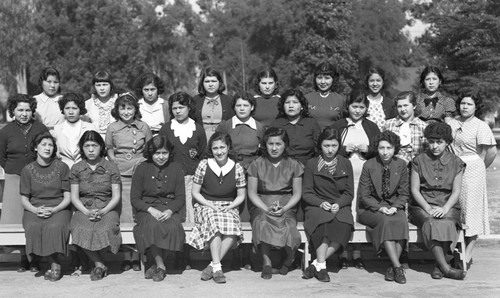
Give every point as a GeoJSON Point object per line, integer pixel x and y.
{"type": "Point", "coordinates": [218, 188]}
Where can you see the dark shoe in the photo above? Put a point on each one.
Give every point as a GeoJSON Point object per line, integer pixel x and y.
{"type": "Point", "coordinates": [285, 268]}
{"type": "Point", "coordinates": [343, 263]}
{"type": "Point", "coordinates": [455, 274]}
{"type": "Point", "coordinates": [322, 275]}
{"type": "Point", "coordinates": [159, 274]}
{"type": "Point", "coordinates": [437, 273]}
{"type": "Point", "coordinates": [219, 277]}
{"type": "Point", "coordinates": [399, 275]}
{"type": "Point", "coordinates": [126, 266]}
{"type": "Point", "coordinates": [309, 272]}
{"type": "Point", "coordinates": [23, 264]}
{"type": "Point", "coordinates": [47, 274]}
{"type": "Point", "coordinates": [150, 272]}
{"type": "Point", "coordinates": [56, 275]}
{"type": "Point", "coordinates": [98, 273]}
{"type": "Point", "coordinates": [35, 265]}
{"type": "Point", "coordinates": [389, 274]}
{"type": "Point", "coordinates": [207, 273]}
{"type": "Point", "coordinates": [358, 263]}
{"type": "Point", "coordinates": [267, 272]}
{"type": "Point", "coordinates": [136, 265]}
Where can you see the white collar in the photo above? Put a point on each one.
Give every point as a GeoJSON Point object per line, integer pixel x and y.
{"type": "Point", "coordinates": [183, 131]}
{"type": "Point", "coordinates": [43, 97]}
{"type": "Point", "coordinates": [142, 101]}
{"type": "Point", "coordinates": [220, 170]}
{"type": "Point", "coordinates": [250, 122]}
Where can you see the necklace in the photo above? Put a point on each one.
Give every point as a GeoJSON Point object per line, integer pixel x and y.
{"type": "Point", "coordinates": [326, 94]}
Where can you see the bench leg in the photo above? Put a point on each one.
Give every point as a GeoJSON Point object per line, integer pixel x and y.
{"type": "Point", "coordinates": [461, 250]}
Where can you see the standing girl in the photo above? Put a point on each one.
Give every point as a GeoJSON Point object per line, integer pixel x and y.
{"type": "Point", "coordinates": [101, 103]}
{"type": "Point", "coordinates": [153, 108]}
{"type": "Point", "coordinates": [381, 106]}
{"type": "Point", "coordinates": [434, 105]}
{"type": "Point", "coordinates": [47, 101]}
{"type": "Point", "coordinates": [266, 87]}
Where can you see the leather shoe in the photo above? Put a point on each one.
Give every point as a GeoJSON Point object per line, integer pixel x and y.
{"type": "Point", "coordinates": [389, 274]}
{"type": "Point", "coordinates": [207, 273]}
{"type": "Point", "coordinates": [308, 273]}
{"type": "Point", "coordinates": [150, 272]}
{"type": "Point", "coordinates": [343, 263]}
{"type": "Point", "coordinates": [219, 277]}
{"type": "Point", "coordinates": [399, 275]}
{"type": "Point", "coordinates": [267, 272]}
{"type": "Point", "coordinates": [136, 265]}
{"type": "Point", "coordinates": [159, 274]}
{"type": "Point", "coordinates": [455, 274]}
{"type": "Point", "coordinates": [437, 273]}
{"type": "Point", "coordinates": [358, 263]}
{"type": "Point", "coordinates": [322, 275]}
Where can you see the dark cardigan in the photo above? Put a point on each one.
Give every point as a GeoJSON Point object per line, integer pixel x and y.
{"type": "Point", "coordinates": [371, 129]}
{"type": "Point", "coordinates": [226, 102]}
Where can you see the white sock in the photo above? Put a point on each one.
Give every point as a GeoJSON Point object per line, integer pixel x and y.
{"type": "Point", "coordinates": [216, 266]}
{"type": "Point", "coordinates": [315, 264]}
{"type": "Point", "coordinates": [320, 266]}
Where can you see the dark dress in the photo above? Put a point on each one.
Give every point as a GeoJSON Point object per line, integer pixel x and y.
{"type": "Point", "coordinates": [266, 109]}
{"type": "Point", "coordinates": [275, 184]}
{"type": "Point", "coordinates": [163, 189]}
{"type": "Point", "coordinates": [382, 227]}
{"type": "Point", "coordinates": [45, 186]}
{"type": "Point", "coordinates": [320, 185]}
{"type": "Point", "coordinates": [436, 184]}
{"type": "Point", "coordinates": [95, 193]}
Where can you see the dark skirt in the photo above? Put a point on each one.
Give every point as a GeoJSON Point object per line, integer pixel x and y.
{"type": "Point", "coordinates": [46, 236]}
{"type": "Point", "coordinates": [332, 231]}
{"type": "Point", "coordinates": [382, 227]}
{"type": "Point", "coordinates": [96, 235]}
{"type": "Point", "coordinates": [167, 235]}
{"type": "Point", "coordinates": [436, 229]}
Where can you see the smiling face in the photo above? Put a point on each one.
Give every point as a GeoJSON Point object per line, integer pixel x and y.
{"type": "Point", "coordinates": [467, 107]}
{"type": "Point", "coordinates": [160, 157]}
{"type": "Point", "coordinates": [181, 112]}
{"type": "Point", "coordinates": [375, 83]}
{"type": "Point", "coordinates": [45, 149]}
{"type": "Point", "coordinates": [432, 82]}
{"type": "Point", "coordinates": [437, 146]}
{"type": "Point", "coordinates": [324, 82]}
{"type": "Point", "coordinates": [150, 93]}
{"type": "Point", "coordinates": [126, 113]}
{"type": "Point", "coordinates": [50, 86]}
{"type": "Point", "coordinates": [102, 89]}
{"type": "Point", "coordinates": [357, 110]}
{"type": "Point", "coordinates": [71, 112]}
{"type": "Point", "coordinates": [385, 151]}
{"type": "Point", "coordinates": [267, 86]}
{"type": "Point", "coordinates": [23, 113]}
{"type": "Point", "coordinates": [292, 107]}
{"type": "Point", "coordinates": [275, 147]}
{"type": "Point", "coordinates": [406, 109]}
{"type": "Point", "coordinates": [91, 151]}
{"type": "Point", "coordinates": [220, 152]}
{"type": "Point", "coordinates": [329, 149]}
{"type": "Point", "coordinates": [243, 109]}
{"type": "Point", "coordinates": [211, 85]}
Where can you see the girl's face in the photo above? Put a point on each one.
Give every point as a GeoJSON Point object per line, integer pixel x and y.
{"type": "Point", "coordinates": [181, 112]}
{"type": "Point", "coordinates": [126, 112]}
{"type": "Point", "coordinates": [150, 93]}
{"type": "Point", "coordinates": [329, 149]}
{"type": "Point", "coordinates": [45, 149]}
{"type": "Point", "coordinates": [375, 83]}
{"type": "Point", "coordinates": [23, 113]}
{"type": "Point", "coordinates": [92, 151]}
{"type": "Point", "coordinates": [385, 151]}
{"type": "Point", "coordinates": [220, 152]}
{"type": "Point", "coordinates": [71, 112]}
{"type": "Point", "coordinates": [102, 89]}
{"type": "Point", "coordinates": [275, 147]}
{"type": "Point", "coordinates": [432, 82]}
{"type": "Point", "coordinates": [357, 110]}
{"type": "Point", "coordinates": [243, 109]}
{"type": "Point", "coordinates": [160, 157]}
{"type": "Point", "coordinates": [324, 82]}
{"type": "Point", "coordinates": [292, 107]}
{"type": "Point", "coordinates": [467, 107]}
{"type": "Point", "coordinates": [437, 146]}
{"type": "Point", "coordinates": [406, 109]}
{"type": "Point", "coordinates": [211, 85]}
{"type": "Point", "coordinates": [50, 86]}
{"type": "Point", "coordinates": [267, 86]}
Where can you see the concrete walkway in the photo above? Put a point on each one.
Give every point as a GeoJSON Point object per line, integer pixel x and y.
{"type": "Point", "coordinates": [483, 280]}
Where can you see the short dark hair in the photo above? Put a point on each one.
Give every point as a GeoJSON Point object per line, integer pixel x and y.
{"type": "Point", "coordinates": [412, 98]}
{"type": "Point", "coordinates": [326, 68]}
{"type": "Point", "coordinates": [39, 138]}
{"type": "Point", "coordinates": [302, 99]}
{"type": "Point", "coordinates": [328, 134]}
{"type": "Point", "coordinates": [274, 132]}
{"type": "Point", "coordinates": [356, 96]}
{"type": "Point", "coordinates": [439, 130]}
{"type": "Point", "coordinates": [210, 72]}
{"type": "Point", "coordinates": [92, 136]}
{"type": "Point", "coordinates": [427, 70]}
{"type": "Point", "coordinates": [476, 97]}
{"type": "Point", "coordinates": [126, 99]}
{"type": "Point", "coordinates": [146, 79]}
{"type": "Point", "coordinates": [391, 138]}
{"type": "Point", "coordinates": [156, 143]}
{"type": "Point", "coordinates": [14, 100]}
{"type": "Point", "coordinates": [220, 136]}
{"type": "Point", "coordinates": [184, 99]}
{"type": "Point", "coordinates": [44, 75]}
{"type": "Point", "coordinates": [77, 98]}
{"type": "Point", "coordinates": [266, 73]}
{"type": "Point", "coordinates": [244, 96]}
{"type": "Point", "coordinates": [103, 76]}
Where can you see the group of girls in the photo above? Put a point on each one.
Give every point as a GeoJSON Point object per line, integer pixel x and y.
{"type": "Point", "coordinates": [117, 159]}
